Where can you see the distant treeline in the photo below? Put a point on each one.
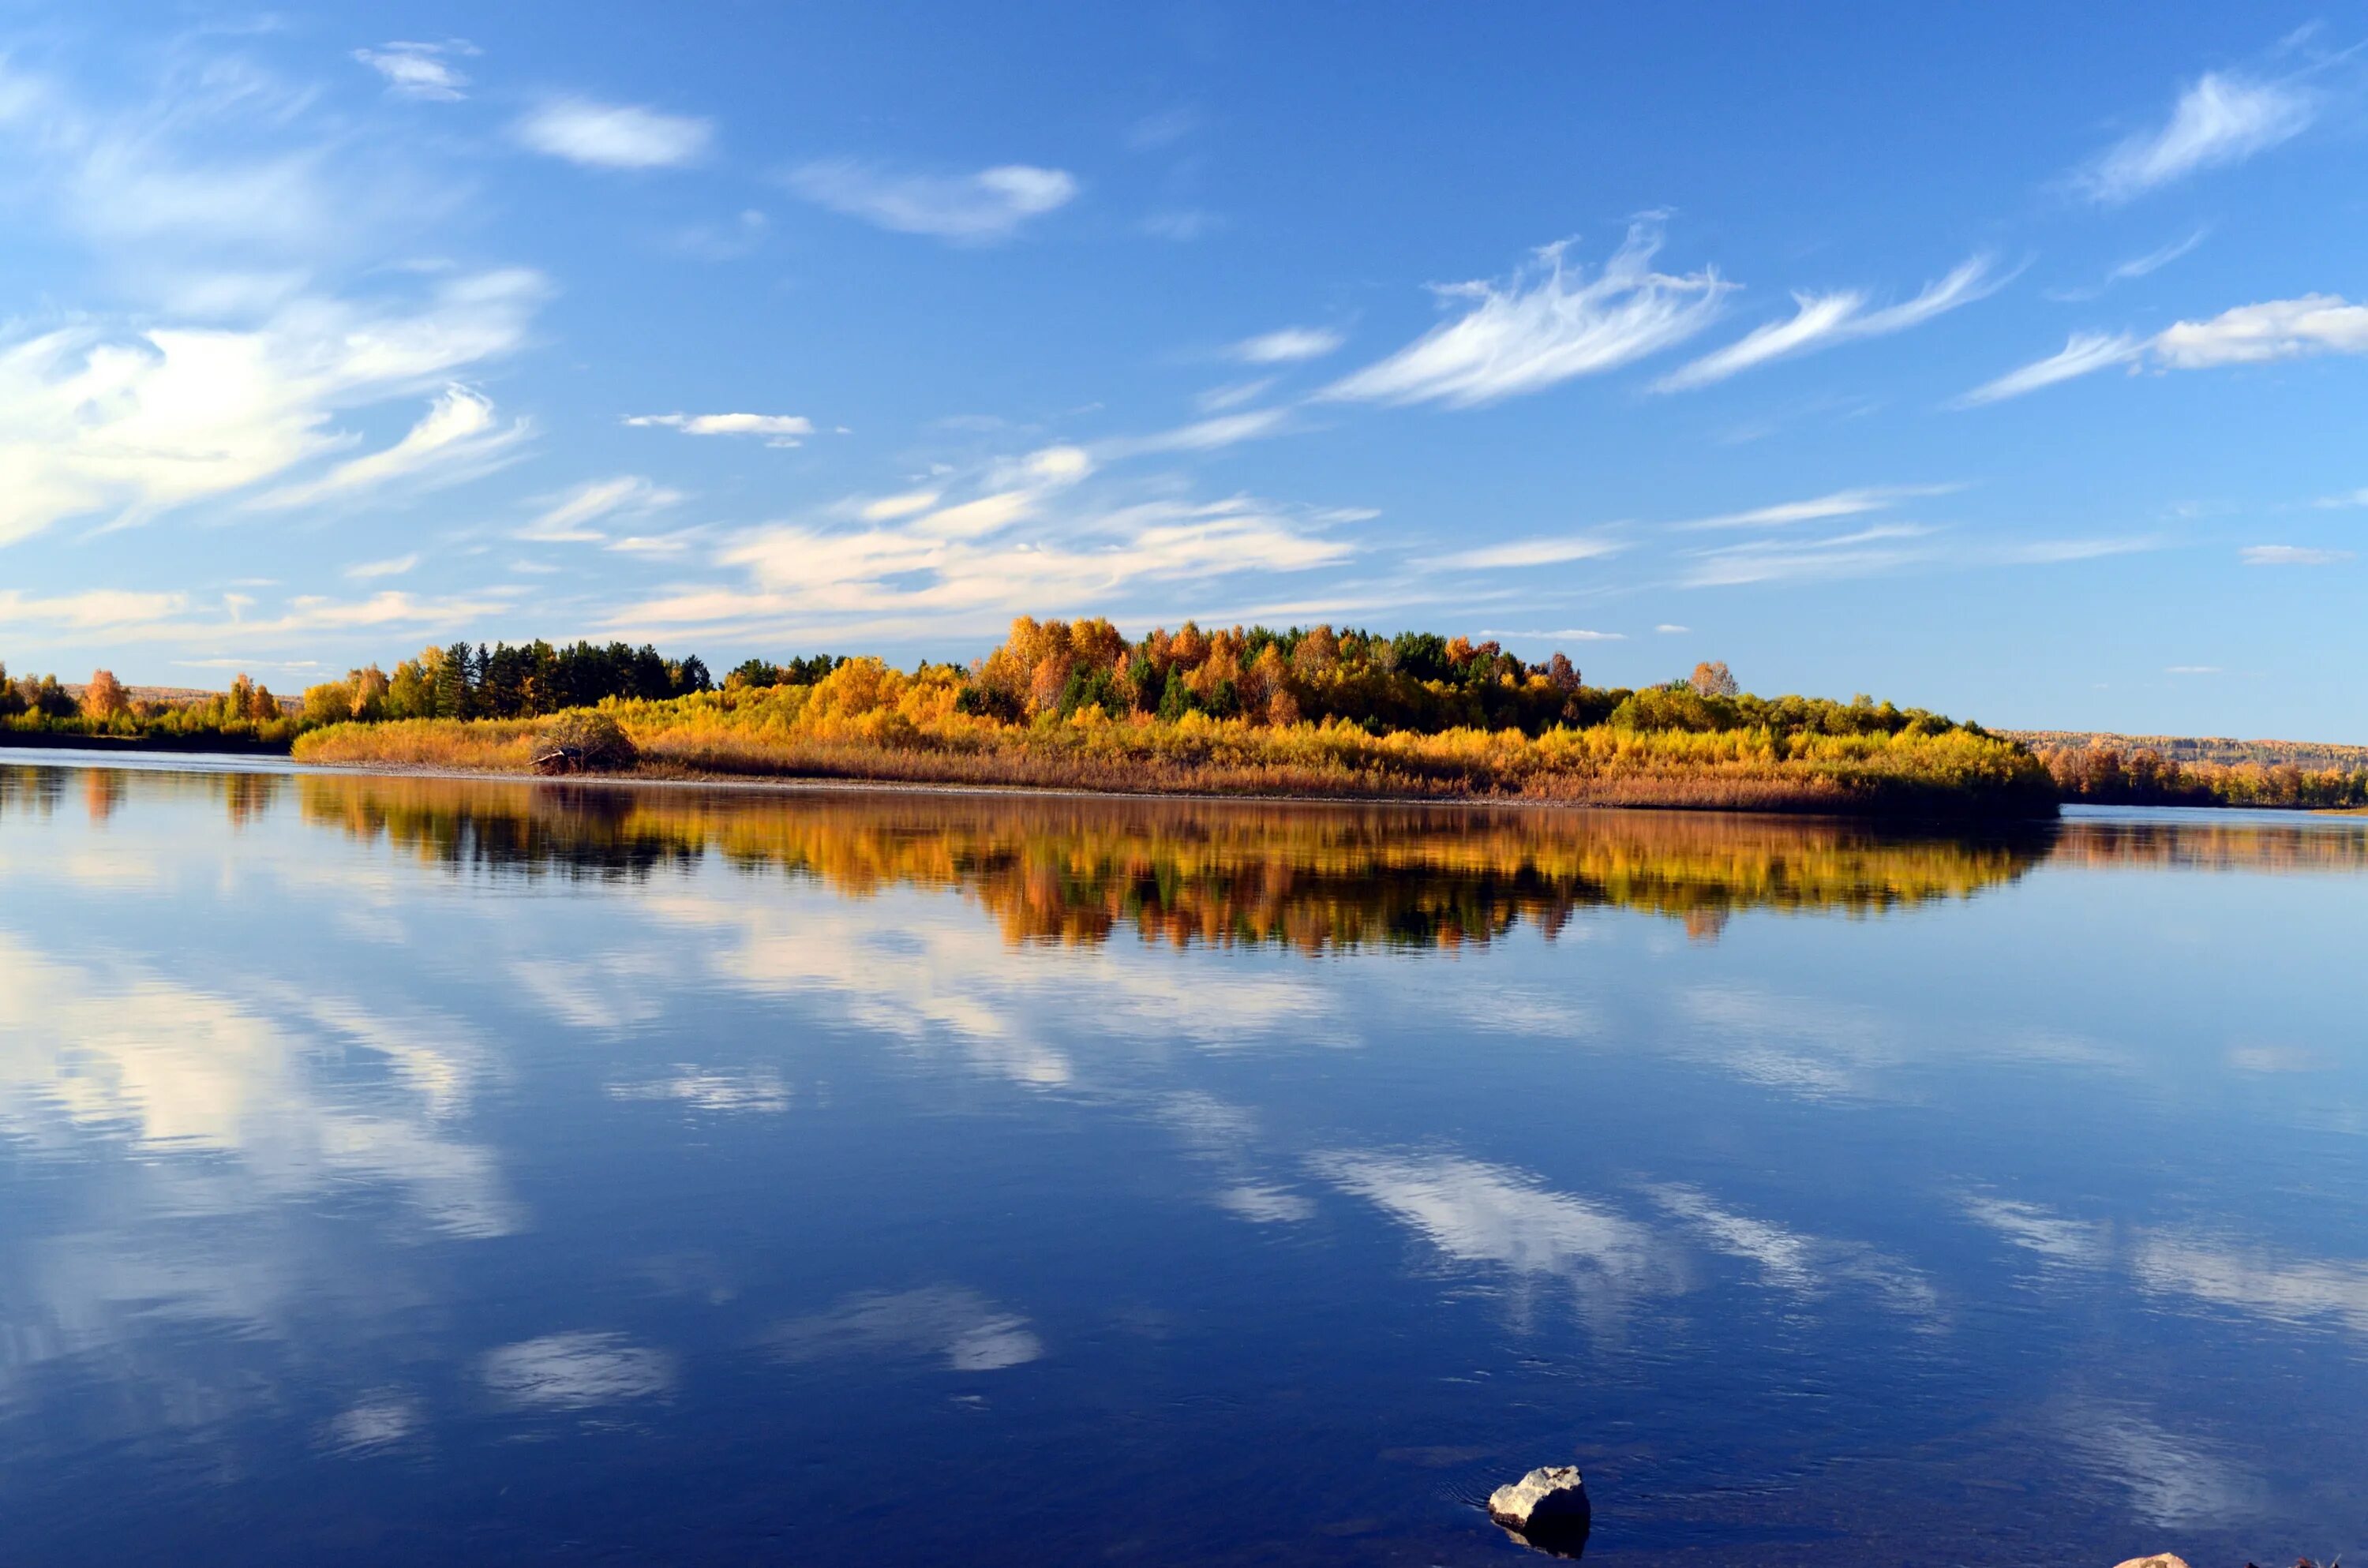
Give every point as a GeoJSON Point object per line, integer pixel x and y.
{"type": "Point", "coordinates": [1414, 682]}
{"type": "Point", "coordinates": [246, 716]}
{"type": "Point", "coordinates": [2105, 776]}
{"type": "Point", "coordinates": [2309, 756]}
{"type": "Point", "coordinates": [502, 682]}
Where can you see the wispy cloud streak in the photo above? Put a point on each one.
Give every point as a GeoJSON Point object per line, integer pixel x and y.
{"type": "Point", "coordinates": [1542, 327]}
{"type": "Point", "coordinates": [2221, 120]}
{"type": "Point", "coordinates": [1821, 321]}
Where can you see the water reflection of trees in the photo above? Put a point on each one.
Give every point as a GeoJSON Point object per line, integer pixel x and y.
{"type": "Point", "coordinates": [1309, 877]}
{"type": "Point", "coordinates": [2196, 842]}
{"type": "Point", "coordinates": [40, 789]}
{"type": "Point", "coordinates": [1078, 871]}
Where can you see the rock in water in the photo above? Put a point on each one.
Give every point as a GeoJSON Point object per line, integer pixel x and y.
{"type": "Point", "coordinates": [2159, 1560]}
{"type": "Point", "coordinates": [1551, 1501]}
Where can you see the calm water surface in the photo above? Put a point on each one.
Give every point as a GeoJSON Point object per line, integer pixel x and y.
{"type": "Point", "coordinates": [399, 1171]}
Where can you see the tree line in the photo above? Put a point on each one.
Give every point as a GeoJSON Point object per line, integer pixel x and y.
{"type": "Point", "coordinates": [2104, 776]}
{"type": "Point", "coordinates": [502, 682]}
{"type": "Point", "coordinates": [1043, 671]}
{"type": "Point", "coordinates": [1415, 681]}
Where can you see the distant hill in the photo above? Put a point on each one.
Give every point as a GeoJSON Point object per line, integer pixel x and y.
{"type": "Point", "coordinates": [174, 696]}
{"type": "Point", "coordinates": [2189, 749]}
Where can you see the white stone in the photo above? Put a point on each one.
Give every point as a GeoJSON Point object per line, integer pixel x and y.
{"type": "Point", "coordinates": [1554, 1497]}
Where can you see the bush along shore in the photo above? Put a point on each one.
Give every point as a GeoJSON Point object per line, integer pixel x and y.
{"type": "Point", "coordinates": [1310, 713]}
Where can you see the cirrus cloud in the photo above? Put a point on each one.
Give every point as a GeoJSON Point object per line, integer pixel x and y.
{"type": "Point", "coordinates": [971, 209]}
{"type": "Point", "coordinates": [777, 429]}
{"type": "Point", "coordinates": [2220, 119]}
{"type": "Point", "coordinates": [2247, 335]}
{"type": "Point", "coordinates": [1542, 327]}
{"type": "Point", "coordinates": [614, 136]}
{"type": "Point", "coordinates": [1821, 321]}
{"type": "Point", "coordinates": [2292, 555]}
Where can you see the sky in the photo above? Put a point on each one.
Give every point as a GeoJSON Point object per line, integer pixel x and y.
{"type": "Point", "coordinates": [2002, 359]}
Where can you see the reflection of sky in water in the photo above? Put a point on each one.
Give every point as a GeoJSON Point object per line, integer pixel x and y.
{"type": "Point", "coordinates": [390, 1171]}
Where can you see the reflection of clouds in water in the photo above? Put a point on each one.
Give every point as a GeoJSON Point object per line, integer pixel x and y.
{"type": "Point", "coordinates": [902, 966]}
{"type": "Point", "coordinates": [2257, 1280]}
{"type": "Point", "coordinates": [1795, 1262]}
{"type": "Point", "coordinates": [1813, 1048]}
{"type": "Point", "coordinates": [186, 1070]}
{"type": "Point", "coordinates": [2079, 1243]}
{"type": "Point", "coordinates": [759, 1091]}
{"type": "Point", "coordinates": [377, 1423]}
{"type": "Point", "coordinates": [1489, 1215]}
{"type": "Point", "coordinates": [2277, 1059]}
{"type": "Point", "coordinates": [1820, 1049]}
{"type": "Point", "coordinates": [972, 1333]}
{"type": "Point", "coordinates": [2171, 1480]}
{"type": "Point", "coordinates": [1536, 1012]}
{"type": "Point", "coordinates": [1226, 1136]}
{"type": "Point", "coordinates": [576, 1371]}
{"type": "Point", "coordinates": [2253, 1279]}
{"type": "Point", "coordinates": [608, 992]}
{"type": "Point", "coordinates": [1265, 1205]}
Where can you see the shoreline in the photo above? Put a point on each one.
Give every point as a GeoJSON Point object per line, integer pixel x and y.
{"type": "Point", "coordinates": [662, 778]}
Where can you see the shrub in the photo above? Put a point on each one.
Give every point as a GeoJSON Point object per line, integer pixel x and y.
{"type": "Point", "coordinates": [584, 742]}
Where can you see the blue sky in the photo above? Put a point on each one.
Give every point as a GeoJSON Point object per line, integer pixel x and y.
{"type": "Point", "coordinates": [1998, 359]}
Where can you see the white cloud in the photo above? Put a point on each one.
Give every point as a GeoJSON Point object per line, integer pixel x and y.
{"type": "Point", "coordinates": [2085, 352]}
{"type": "Point", "coordinates": [2190, 669]}
{"type": "Point", "coordinates": [2136, 267]}
{"type": "Point", "coordinates": [124, 615]}
{"type": "Point", "coordinates": [979, 209]}
{"type": "Point", "coordinates": [91, 610]}
{"type": "Point", "coordinates": [2274, 329]}
{"type": "Point", "coordinates": [1538, 331]}
{"type": "Point", "coordinates": [975, 563]}
{"type": "Point", "coordinates": [1560, 1017]}
{"type": "Point", "coordinates": [1058, 465]}
{"type": "Point", "coordinates": [1526, 552]}
{"type": "Point", "coordinates": [2220, 119]}
{"type": "Point", "coordinates": [2058, 551]}
{"type": "Point", "coordinates": [418, 70]}
{"type": "Point", "coordinates": [2247, 335]}
{"type": "Point", "coordinates": [888, 508]}
{"type": "Point", "coordinates": [614, 136]}
{"type": "Point", "coordinates": [1287, 345]}
{"type": "Point", "coordinates": [1669, 628]}
{"type": "Point", "coordinates": [1864, 552]}
{"type": "Point", "coordinates": [454, 440]}
{"type": "Point", "coordinates": [395, 568]}
{"type": "Point", "coordinates": [566, 518]}
{"type": "Point", "coordinates": [1201, 436]}
{"type": "Point", "coordinates": [1839, 503]}
{"type": "Point", "coordinates": [777, 429]}
{"type": "Point", "coordinates": [1217, 400]}
{"type": "Point", "coordinates": [127, 426]}
{"type": "Point", "coordinates": [1820, 321]}
{"type": "Point", "coordinates": [2291, 555]}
